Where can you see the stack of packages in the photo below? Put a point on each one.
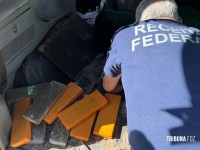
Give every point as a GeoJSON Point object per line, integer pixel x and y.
{"type": "Point", "coordinates": [65, 105]}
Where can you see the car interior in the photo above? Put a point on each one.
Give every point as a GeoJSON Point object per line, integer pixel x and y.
{"type": "Point", "coordinates": [25, 23]}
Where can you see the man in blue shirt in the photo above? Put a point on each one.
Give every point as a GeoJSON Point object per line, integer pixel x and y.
{"type": "Point", "coordinates": [158, 61]}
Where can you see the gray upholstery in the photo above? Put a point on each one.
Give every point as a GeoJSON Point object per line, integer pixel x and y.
{"type": "Point", "coordinates": [3, 74]}
{"type": "Point", "coordinates": [5, 123]}
{"type": "Point", "coordinates": [8, 7]}
{"type": "Point", "coordinates": [50, 9]}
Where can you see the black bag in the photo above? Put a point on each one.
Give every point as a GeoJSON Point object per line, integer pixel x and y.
{"type": "Point", "coordinates": [35, 69]}
{"type": "Point", "coordinates": [108, 22]}
{"type": "Point", "coordinates": [84, 6]}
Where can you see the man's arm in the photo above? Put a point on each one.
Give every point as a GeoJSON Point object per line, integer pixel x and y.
{"type": "Point", "coordinates": [112, 69]}
{"type": "Point", "coordinates": [111, 84]}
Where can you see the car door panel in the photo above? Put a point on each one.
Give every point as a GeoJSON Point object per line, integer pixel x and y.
{"type": "Point", "coordinates": [21, 30]}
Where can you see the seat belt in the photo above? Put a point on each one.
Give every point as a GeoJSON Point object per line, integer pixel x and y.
{"type": "Point", "coordinates": [3, 73]}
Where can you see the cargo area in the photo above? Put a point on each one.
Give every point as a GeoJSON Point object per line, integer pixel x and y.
{"type": "Point", "coordinates": [53, 96]}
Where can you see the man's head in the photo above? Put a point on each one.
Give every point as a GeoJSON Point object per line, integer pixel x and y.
{"type": "Point", "coordinates": [152, 9]}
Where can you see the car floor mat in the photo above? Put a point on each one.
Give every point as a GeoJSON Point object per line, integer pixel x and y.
{"type": "Point", "coordinates": [71, 45]}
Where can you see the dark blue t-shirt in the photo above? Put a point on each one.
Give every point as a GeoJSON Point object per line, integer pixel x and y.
{"type": "Point", "coordinates": [160, 65]}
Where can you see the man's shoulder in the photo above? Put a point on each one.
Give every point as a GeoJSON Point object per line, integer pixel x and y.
{"type": "Point", "coordinates": [126, 29]}
{"type": "Point", "coordinates": [123, 30]}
